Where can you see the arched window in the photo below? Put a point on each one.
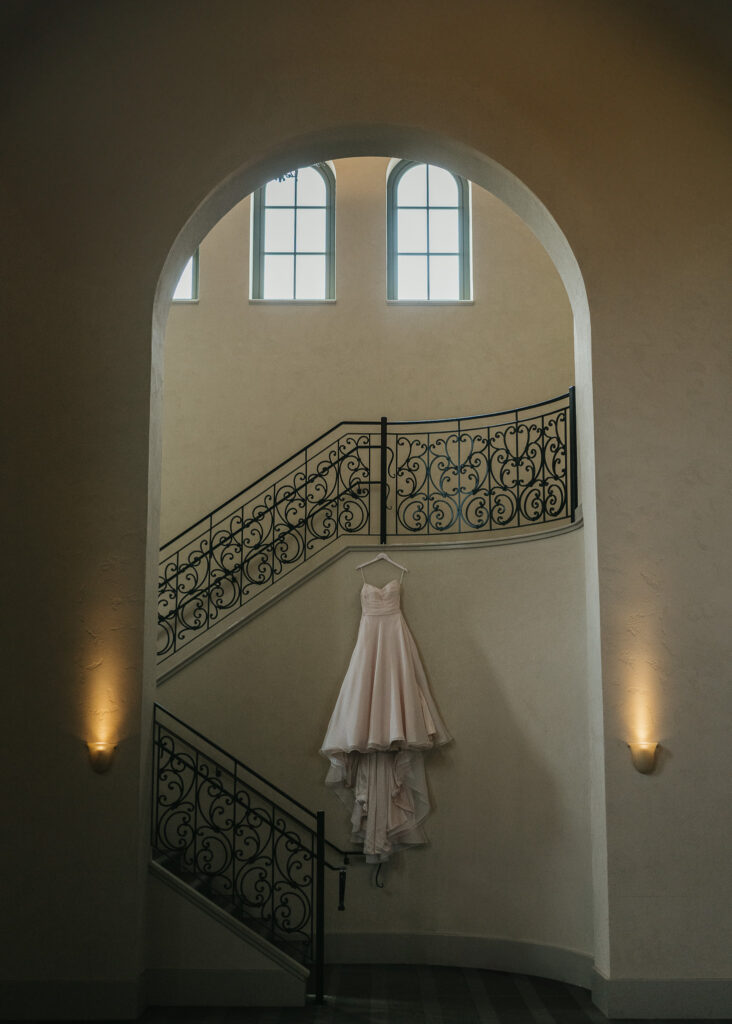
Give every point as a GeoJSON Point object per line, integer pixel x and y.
{"type": "Point", "coordinates": [293, 236]}
{"type": "Point", "coordinates": [187, 288]}
{"type": "Point", "coordinates": [428, 233]}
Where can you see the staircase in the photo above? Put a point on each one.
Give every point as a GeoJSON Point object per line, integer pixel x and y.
{"type": "Point", "coordinates": [433, 481]}
{"type": "Point", "coordinates": [246, 847]}
{"type": "Point", "coordinates": [251, 853]}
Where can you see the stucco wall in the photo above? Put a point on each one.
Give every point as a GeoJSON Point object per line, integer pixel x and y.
{"type": "Point", "coordinates": [247, 384]}
{"type": "Point", "coordinates": [119, 121]}
{"type": "Point", "coordinates": [193, 958]}
{"type": "Point", "coordinates": [501, 633]}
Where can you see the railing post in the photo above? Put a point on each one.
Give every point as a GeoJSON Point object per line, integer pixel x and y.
{"type": "Point", "coordinates": [155, 779]}
{"type": "Point", "coordinates": [572, 453]}
{"type": "Point", "coordinates": [273, 848]}
{"type": "Point", "coordinates": [382, 522]}
{"type": "Point", "coordinates": [233, 836]}
{"type": "Point", "coordinates": [459, 480]}
{"type": "Point", "coordinates": [342, 889]}
{"type": "Point", "coordinates": [320, 908]}
{"type": "Point", "coordinates": [209, 557]}
{"type": "Point", "coordinates": [305, 521]}
{"type": "Point", "coordinates": [176, 620]}
{"type": "Point", "coordinates": [195, 814]}
{"type": "Point", "coordinates": [518, 468]}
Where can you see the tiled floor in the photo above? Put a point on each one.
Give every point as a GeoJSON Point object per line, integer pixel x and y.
{"type": "Point", "coordinates": [416, 995]}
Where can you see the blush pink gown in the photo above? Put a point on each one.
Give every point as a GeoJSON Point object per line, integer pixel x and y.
{"type": "Point", "coordinates": [384, 719]}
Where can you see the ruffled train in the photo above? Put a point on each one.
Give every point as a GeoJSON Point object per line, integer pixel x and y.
{"type": "Point", "coordinates": [386, 795]}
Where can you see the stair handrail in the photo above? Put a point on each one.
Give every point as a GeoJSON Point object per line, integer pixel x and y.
{"type": "Point", "coordinates": [360, 423]}
{"type": "Point", "coordinates": [516, 469]}
{"type": "Point", "coordinates": [188, 858]}
{"type": "Point", "coordinates": [346, 854]}
{"type": "Point", "coordinates": [270, 472]}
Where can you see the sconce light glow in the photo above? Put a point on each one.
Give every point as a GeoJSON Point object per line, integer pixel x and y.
{"type": "Point", "coordinates": [643, 754]}
{"type": "Point", "coordinates": [101, 754]}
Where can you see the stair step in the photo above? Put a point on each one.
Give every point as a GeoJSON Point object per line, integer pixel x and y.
{"type": "Point", "coordinates": [298, 947]}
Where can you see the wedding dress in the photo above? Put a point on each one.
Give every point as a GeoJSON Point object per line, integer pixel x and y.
{"type": "Point", "coordinates": [384, 719]}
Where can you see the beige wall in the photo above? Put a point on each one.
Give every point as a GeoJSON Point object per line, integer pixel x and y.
{"type": "Point", "coordinates": [194, 958]}
{"type": "Point", "coordinates": [119, 120]}
{"type": "Point", "coordinates": [501, 633]}
{"type": "Point", "coordinates": [247, 384]}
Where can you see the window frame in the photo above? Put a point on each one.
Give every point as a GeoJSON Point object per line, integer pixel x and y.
{"type": "Point", "coordinates": [392, 233]}
{"type": "Point", "coordinates": [194, 261]}
{"type": "Point", "coordinates": [257, 254]}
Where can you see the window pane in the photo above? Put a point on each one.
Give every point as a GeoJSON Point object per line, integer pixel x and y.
{"type": "Point", "coordinates": [412, 231]}
{"type": "Point", "coordinates": [279, 230]}
{"type": "Point", "coordinates": [444, 231]}
{"type": "Point", "coordinates": [278, 277]}
{"type": "Point", "coordinates": [184, 288]}
{"type": "Point", "coordinates": [412, 277]}
{"type": "Point", "coordinates": [412, 187]}
{"type": "Point", "coordinates": [443, 188]}
{"type": "Point", "coordinates": [280, 193]}
{"type": "Point", "coordinates": [310, 282]}
{"type": "Point", "coordinates": [311, 230]}
{"type": "Point", "coordinates": [310, 187]}
{"type": "Point", "coordinates": [444, 277]}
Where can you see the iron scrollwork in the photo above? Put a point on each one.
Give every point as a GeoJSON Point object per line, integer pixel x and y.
{"type": "Point", "coordinates": [212, 828]}
{"type": "Point", "coordinates": [249, 545]}
{"type": "Point", "coordinates": [485, 476]}
{"type": "Point", "coordinates": [465, 476]}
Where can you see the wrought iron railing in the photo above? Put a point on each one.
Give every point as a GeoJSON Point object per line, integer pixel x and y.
{"type": "Point", "coordinates": [481, 473]}
{"type": "Point", "coordinates": [242, 842]}
{"type": "Point", "coordinates": [464, 476]}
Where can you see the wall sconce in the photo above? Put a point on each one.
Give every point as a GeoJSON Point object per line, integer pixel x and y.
{"type": "Point", "coordinates": [101, 754]}
{"type": "Point", "coordinates": [643, 755]}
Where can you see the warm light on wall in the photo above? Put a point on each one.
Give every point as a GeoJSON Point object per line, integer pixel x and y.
{"type": "Point", "coordinates": [103, 713]}
{"type": "Point", "coordinates": [101, 754]}
{"type": "Point", "coordinates": [642, 712]}
{"type": "Point", "coordinates": [642, 704]}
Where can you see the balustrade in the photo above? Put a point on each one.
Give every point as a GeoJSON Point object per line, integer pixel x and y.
{"type": "Point", "coordinates": [436, 478]}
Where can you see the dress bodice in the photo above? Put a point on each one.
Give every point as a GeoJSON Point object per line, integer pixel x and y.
{"type": "Point", "coordinates": [380, 600]}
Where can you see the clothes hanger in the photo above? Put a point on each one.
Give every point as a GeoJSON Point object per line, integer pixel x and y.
{"type": "Point", "coordinates": [382, 555]}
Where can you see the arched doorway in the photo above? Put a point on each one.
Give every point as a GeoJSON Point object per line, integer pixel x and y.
{"type": "Point", "coordinates": [479, 169]}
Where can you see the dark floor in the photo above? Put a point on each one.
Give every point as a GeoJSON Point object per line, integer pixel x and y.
{"type": "Point", "coordinates": [415, 995]}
